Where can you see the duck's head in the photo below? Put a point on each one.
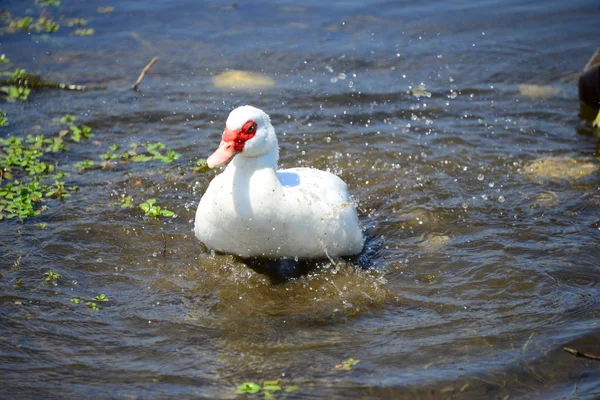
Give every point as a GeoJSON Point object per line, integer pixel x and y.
{"type": "Point", "coordinates": [248, 132]}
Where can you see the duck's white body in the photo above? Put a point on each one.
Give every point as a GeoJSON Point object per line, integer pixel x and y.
{"type": "Point", "coordinates": [251, 209]}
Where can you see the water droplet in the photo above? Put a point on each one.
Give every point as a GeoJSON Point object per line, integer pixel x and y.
{"type": "Point", "coordinates": [328, 139]}
{"type": "Point", "coordinates": [491, 184]}
{"type": "Point", "coordinates": [465, 206]}
{"type": "Point", "coordinates": [480, 177]}
{"type": "Point", "coordinates": [453, 95]}
{"type": "Point", "coordinates": [501, 199]}
{"type": "Point", "coordinates": [350, 84]}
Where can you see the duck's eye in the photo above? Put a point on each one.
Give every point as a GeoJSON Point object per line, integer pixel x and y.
{"type": "Point", "coordinates": [251, 129]}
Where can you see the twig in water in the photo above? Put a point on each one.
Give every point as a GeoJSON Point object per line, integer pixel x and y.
{"type": "Point", "coordinates": [578, 353]}
{"type": "Point", "coordinates": [143, 73]}
{"type": "Point", "coordinates": [527, 342]}
{"type": "Point", "coordinates": [164, 237]}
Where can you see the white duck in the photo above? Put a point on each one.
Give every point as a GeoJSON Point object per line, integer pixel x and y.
{"type": "Point", "coordinates": [252, 209]}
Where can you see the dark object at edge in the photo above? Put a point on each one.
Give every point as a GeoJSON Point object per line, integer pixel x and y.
{"type": "Point", "coordinates": [589, 82]}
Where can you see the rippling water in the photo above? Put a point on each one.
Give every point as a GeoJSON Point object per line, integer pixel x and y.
{"type": "Point", "coordinates": [480, 266]}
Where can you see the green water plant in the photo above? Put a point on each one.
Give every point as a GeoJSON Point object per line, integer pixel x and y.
{"type": "Point", "coordinates": [201, 166]}
{"type": "Point", "coordinates": [26, 173]}
{"type": "Point", "coordinates": [77, 132]}
{"type": "Point", "coordinates": [152, 210]}
{"type": "Point", "coordinates": [84, 32]}
{"type": "Point", "coordinates": [127, 202]}
{"type": "Point", "coordinates": [85, 164]}
{"type": "Point", "coordinates": [151, 151]}
{"type": "Point", "coordinates": [60, 191]}
{"type": "Point", "coordinates": [14, 93]}
{"type": "Point", "coordinates": [267, 388]}
{"type": "Point", "coordinates": [27, 23]}
{"type": "Point", "coordinates": [46, 3]}
{"type": "Point", "coordinates": [52, 276]}
{"type": "Point", "coordinates": [346, 365]}
{"type": "Point", "coordinates": [248, 388]}
{"type": "Point", "coordinates": [77, 22]}
{"type": "Point", "coordinates": [23, 24]}
{"type": "Point", "coordinates": [67, 119]}
{"type": "Point", "coordinates": [4, 59]}
{"type": "Point", "coordinates": [92, 304]}
{"type": "Point", "coordinates": [3, 119]}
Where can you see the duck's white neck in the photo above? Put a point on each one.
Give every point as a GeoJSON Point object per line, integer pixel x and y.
{"type": "Point", "coordinates": [248, 164]}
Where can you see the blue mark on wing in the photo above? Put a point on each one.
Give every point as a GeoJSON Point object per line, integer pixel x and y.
{"type": "Point", "coordinates": [288, 178]}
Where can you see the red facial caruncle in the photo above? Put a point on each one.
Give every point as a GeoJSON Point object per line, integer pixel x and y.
{"type": "Point", "coordinates": [233, 142]}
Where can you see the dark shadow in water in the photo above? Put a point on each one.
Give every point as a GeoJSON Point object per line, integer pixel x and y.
{"type": "Point", "coordinates": [588, 114]}
{"type": "Point", "coordinates": [281, 271]}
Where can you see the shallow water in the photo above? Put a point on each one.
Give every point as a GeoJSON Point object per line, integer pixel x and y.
{"type": "Point", "coordinates": [480, 198]}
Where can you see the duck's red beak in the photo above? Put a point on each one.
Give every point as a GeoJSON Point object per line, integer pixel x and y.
{"type": "Point", "coordinates": [225, 152]}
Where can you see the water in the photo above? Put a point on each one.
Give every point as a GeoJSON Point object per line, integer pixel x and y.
{"type": "Point", "coordinates": [479, 267]}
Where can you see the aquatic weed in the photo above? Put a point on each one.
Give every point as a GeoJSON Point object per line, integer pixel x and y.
{"type": "Point", "coordinates": [84, 32]}
{"type": "Point", "coordinates": [46, 3]}
{"type": "Point", "coordinates": [346, 365]}
{"type": "Point", "coordinates": [155, 211]}
{"type": "Point", "coordinates": [92, 304]}
{"type": "Point", "coordinates": [150, 151]}
{"type": "Point", "coordinates": [77, 22]}
{"type": "Point", "coordinates": [85, 164]}
{"type": "Point", "coordinates": [52, 276]}
{"type": "Point", "coordinates": [14, 93]}
{"type": "Point", "coordinates": [268, 387]}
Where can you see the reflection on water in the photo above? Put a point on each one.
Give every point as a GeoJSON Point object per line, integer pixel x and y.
{"type": "Point", "coordinates": [479, 197]}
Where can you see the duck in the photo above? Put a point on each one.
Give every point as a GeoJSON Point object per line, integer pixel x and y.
{"type": "Point", "coordinates": [255, 210]}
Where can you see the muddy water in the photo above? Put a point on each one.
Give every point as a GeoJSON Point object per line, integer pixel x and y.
{"type": "Point", "coordinates": [458, 130]}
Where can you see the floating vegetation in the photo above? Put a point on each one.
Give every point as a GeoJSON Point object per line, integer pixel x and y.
{"type": "Point", "coordinates": [152, 151]}
{"type": "Point", "coordinates": [28, 24]}
{"type": "Point", "coordinates": [201, 166]}
{"type": "Point", "coordinates": [21, 79]}
{"type": "Point", "coordinates": [242, 80]}
{"type": "Point", "coordinates": [14, 93]}
{"type": "Point", "coordinates": [127, 202]}
{"type": "Point", "coordinates": [4, 59]}
{"type": "Point", "coordinates": [267, 388]}
{"type": "Point", "coordinates": [22, 24]}
{"type": "Point", "coordinates": [152, 210]}
{"type": "Point", "coordinates": [84, 165]}
{"type": "Point", "coordinates": [28, 176]}
{"type": "Point", "coordinates": [51, 276]}
{"type": "Point", "coordinates": [46, 3]}
{"type": "Point", "coordinates": [91, 304]}
{"type": "Point", "coordinates": [84, 32]}
{"type": "Point", "coordinates": [346, 365]}
{"type": "Point", "coordinates": [76, 22]}
{"type": "Point", "coordinates": [3, 119]}
{"type": "Point", "coordinates": [248, 388]}
{"type": "Point", "coordinates": [77, 132]}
